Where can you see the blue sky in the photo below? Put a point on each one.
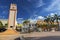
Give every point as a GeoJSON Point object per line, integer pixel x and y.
{"type": "Point", "coordinates": [30, 9]}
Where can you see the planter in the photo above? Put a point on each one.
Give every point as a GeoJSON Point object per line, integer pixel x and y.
{"type": "Point", "coordinates": [40, 29]}
{"type": "Point", "coordinates": [53, 30]}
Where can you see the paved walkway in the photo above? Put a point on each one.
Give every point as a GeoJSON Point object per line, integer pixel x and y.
{"type": "Point", "coordinates": [33, 36]}
{"type": "Point", "coordinates": [8, 37]}
{"type": "Point", "coordinates": [43, 36]}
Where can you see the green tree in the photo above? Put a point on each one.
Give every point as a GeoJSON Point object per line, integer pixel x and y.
{"type": "Point", "coordinates": [26, 22]}
{"type": "Point", "coordinates": [47, 19]}
{"type": "Point", "coordinates": [6, 25]}
{"type": "Point", "coordinates": [57, 17]}
{"type": "Point", "coordinates": [52, 19]}
{"type": "Point", "coordinates": [1, 25]}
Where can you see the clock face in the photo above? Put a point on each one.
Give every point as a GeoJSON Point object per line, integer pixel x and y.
{"type": "Point", "coordinates": [13, 7]}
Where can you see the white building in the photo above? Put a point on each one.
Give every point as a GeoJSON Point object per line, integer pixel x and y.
{"type": "Point", "coordinates": [4, 21]}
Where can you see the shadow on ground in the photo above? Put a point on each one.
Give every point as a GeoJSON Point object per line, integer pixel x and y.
{"type": "Point", "coordinates": [40, 38]}
{"type": "Point", "coordinates": [2, 30]}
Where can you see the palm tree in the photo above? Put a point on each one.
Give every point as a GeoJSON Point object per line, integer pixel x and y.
{"type": "Point", "coordinates": [57, 17]}
{"type": "Point", "coordinates": [50, 20]}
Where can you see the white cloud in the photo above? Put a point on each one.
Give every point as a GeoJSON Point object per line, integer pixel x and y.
{"type": "Point", "coordinates": [2, 17]}
{"type": "Point", "coordinates": [20, 21]}
{"type": "Point", "coordinates": [33, 20]}
{"type": "Point", "coordinates": [36, 18]}
{"type": "Point", "coordinates": [40, 17]}
{"type": "Point", "coordinates": [55, 5]}
{"type": "Point", "coordinates": [3, 7]}
{"type": "Point", "coordinates": [35, 15]}
{"type": "Point", "coordinates": [40, 3]}
{"type": "Point", "coordinates": [19, 18]}
{"type": "Point", "coordinates": [4, 12]}
{"type": "Point", "coordinates": [52, 14]}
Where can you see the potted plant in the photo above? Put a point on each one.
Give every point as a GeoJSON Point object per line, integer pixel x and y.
{"type": "Point", "coordinates": [53, 27]}
{"type": "Point", "coordinates": [44, 27]}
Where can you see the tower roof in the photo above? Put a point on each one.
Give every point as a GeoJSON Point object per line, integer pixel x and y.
{"type": "Point", "coordinates": [13, 4]}
{"type": "Point", "coordinates": [13, 7]}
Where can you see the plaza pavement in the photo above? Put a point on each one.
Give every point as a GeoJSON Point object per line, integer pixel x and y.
{"type": "Point", "coordinates": [33, 36]}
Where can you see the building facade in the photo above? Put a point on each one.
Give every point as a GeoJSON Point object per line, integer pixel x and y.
{"type": "Point", "coordinates": [4, 21]}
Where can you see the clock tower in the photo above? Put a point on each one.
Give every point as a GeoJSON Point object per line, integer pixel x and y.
{"type": "Point", "coordinates": [11, 21]}
{"type": "Point", "coordinates": [12, 16]}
